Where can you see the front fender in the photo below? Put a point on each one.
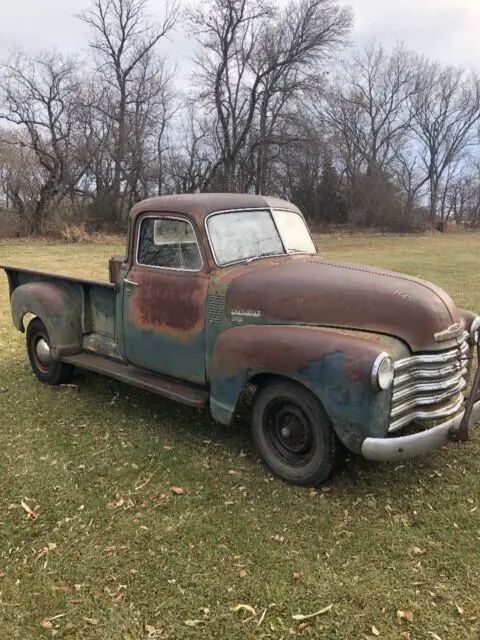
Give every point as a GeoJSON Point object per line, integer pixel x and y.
{"type": "Point", "coordinates": [58, 307]}
{"type": "Point", "coordinates": [335, 365]}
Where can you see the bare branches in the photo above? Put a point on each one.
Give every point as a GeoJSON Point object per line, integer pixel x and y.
{"type": "Point", "coordinates": [123, 42]}
{"type": "Point", "coordinates": [253, 61]}
{"type": "Point", "coordinates": [40, 96]}
{"type": "Point", "coordinates": [446, 111]}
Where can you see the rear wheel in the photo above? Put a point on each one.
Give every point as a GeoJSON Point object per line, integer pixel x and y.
{"type": "Point", "coordinates": [44, 366]}
{"type": "Point", "coordinates": [293, 434]}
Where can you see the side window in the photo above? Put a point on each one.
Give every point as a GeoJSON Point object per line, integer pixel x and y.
{"type": "Point", "coordinates": [168, 243]}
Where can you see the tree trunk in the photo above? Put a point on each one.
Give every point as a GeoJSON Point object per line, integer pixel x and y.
{"type": "Point", "coordinates": [119, 158]}
{"type": "Point", "coordinates": [433, 200]}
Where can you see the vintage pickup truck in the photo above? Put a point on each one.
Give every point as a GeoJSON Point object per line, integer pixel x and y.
{"type": "Point", "coordinates": [219, 293]}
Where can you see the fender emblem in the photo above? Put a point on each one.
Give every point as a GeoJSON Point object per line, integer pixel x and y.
{"type": "Point", "coordinates": [238, 315]}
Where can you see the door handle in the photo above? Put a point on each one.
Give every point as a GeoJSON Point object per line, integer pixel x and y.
{"type": "Point", "coordinates": [131, 282]}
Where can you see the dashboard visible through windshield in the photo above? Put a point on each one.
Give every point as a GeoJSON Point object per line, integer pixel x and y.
{"type": "Point", "coordinates": [241, 236]}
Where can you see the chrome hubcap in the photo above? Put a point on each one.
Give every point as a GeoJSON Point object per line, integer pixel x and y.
{"type": "Point", "coordinates": [43, 352]}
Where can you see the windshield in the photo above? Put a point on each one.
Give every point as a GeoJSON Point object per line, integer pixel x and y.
{"type": "Point", "coordinates": [239, 236]}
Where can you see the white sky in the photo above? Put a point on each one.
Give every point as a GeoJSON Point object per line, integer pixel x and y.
{"type": "Point", "coordinates": [446, 30]}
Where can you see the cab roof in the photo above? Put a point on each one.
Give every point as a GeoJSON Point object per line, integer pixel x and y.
{"type": "Point", "coordinates": [200, 205]}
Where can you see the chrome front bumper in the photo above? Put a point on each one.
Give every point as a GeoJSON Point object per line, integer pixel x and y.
{"type": "Point", "coordinates": [391, 449]}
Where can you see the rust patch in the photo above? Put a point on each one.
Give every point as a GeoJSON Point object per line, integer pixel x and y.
{"type": "Point", "coordinates": [287, 348]}
{"type": "Point", "coordinates": [318, 292]}
{"type": "Point", "coordinates": [114, 267]}
{"type": "Point", "coordinates": [170, 302]}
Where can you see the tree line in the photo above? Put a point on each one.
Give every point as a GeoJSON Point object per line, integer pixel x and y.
{"type": "Point", "coordinates": [275, 102]}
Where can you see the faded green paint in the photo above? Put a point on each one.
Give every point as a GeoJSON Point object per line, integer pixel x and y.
{"type": "Point", "coordinates": [167, 355]}
{"type": "Point", "coordinates": [60, 309]}
{"type": "Point", "coordinates": [100, 310]}
{"type": "Point", "coordinates": [334, 365]}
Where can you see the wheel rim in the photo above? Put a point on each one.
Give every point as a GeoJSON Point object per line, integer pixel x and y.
{"type": "Point", "coordinates": [42, 353]}
{"type": "Point", "coordinates": [289, 432]}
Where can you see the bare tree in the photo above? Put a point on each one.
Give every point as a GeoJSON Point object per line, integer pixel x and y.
{"type": "Point", "coordinates": [252, 60]}
{"type": "Point", "coordinates": [123, 42]}
{"type": "Point", "coordinates": [191, 158]}
{"type": "Point", "coordinates": [446, 110]}
{"type": "Point", "coordinates": [40, 96]}
{"type": "Point", "coordinates": [305, 35]}
{"type": "Point", "coordinates": [368, 109]}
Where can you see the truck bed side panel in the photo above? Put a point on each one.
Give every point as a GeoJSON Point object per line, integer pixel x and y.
{"type": "Point", "coordinates": [69, 307]}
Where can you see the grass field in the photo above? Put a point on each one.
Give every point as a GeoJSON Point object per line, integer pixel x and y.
{"type": "Point", "coordinates": [109, 551]}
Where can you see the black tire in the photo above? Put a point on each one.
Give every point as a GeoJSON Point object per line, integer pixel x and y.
{"type": "Point", "coordinates": [55, 372]}
{"type": "Point", "coordinates": [293, 434]}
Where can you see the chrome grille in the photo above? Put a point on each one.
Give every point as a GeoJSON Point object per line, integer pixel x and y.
{"type": "Point", "coordinates": [429, 386]}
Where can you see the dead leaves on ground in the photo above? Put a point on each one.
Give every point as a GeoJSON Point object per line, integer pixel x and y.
{"type": "Point", "coordinates": [253, 613]}
{"type": "Point", "coordinates": [31, 514]}
{"type": "Point", "coordinates": [259, 616]}
{"type": "Point", "coordinates": [46, 550]}
{"type": "Point", "coordinates": [405, 615]}
{"type": "Point", "coordinates": [301, 617]}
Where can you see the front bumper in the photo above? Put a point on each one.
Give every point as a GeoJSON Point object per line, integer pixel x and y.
{"type": "Point", "coordinates": [391, 449]}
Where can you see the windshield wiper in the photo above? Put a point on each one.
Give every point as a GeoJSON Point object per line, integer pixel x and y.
{"type": "Point", "coordinates": [264, 254]}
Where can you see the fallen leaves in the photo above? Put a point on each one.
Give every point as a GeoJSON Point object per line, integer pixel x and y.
{"type": "Point", "coordinates": [46, 624]}
{"type": "Point", "coordinates": [375, 631]}
{"type": "Point", "coordinates": [31, 514]}
{"type": "Point", "coordinates": [416, 551]}
{"type": "Point", "coordinates": [320, 612]}
{"type": "Point", "coordinates": [92, 621]}
{"type": "Point", "coordinates": [178, 491]}
{"type": "Point", "coordinates": [244, 607]}
{"type": "Point", "coordinates": [46, 550]}
{"type": "Point", "coordinates": [253, 613]}
{"type": "Point", "coordinates": [277, 538]}
{"type": "Point", "coordinates": [405, 615]}
{"type": "Point", "coordinates": [120, 502]}
{"type": "Point", "coordinates": [193, 623]}
{"type": "Point", "coordinates": [116, 505]}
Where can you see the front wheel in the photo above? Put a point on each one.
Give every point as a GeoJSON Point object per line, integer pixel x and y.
{"type": "Point", "coordinates": [44, 366]}
{"type": "Point", "coordinates": [293, 434]}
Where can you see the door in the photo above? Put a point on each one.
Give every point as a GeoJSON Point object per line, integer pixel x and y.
{"type": "Point", "coordinates": [164, 299]}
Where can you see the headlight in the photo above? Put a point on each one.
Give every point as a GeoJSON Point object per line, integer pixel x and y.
{"type": "Point", "coordinates": [474, 331]}
{"type": "Point", "coordinates": [383, 372]}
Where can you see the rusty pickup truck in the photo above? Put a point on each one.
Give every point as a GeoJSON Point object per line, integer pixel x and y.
{"type": "Point", "coordinates": [219, 293]}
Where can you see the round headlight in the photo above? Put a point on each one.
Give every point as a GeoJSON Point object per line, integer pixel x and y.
{"type": "Point", "coordinates": [383, 372]}
{"type": "Point", "coordinates": [474, 331]}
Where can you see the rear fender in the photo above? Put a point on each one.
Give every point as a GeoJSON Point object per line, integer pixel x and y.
{"type": "Point", "coordinates": [335, 365]}
{"type": "Point", "coordinates": [58, 307]}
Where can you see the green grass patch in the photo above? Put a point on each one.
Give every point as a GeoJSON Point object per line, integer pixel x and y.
{"type": "Point", "coordinates": [112, 553]}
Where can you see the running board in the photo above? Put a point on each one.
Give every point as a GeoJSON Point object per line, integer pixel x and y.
{"type": "Point", "coordinates": [179, 391]}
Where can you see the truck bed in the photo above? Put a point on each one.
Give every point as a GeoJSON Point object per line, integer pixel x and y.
{"type": "Point", "coordinates": [96, 299]}
{"type": "Point", "coordinates": [42, 275]}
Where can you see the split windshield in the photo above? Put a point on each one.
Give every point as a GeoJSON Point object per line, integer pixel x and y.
{"type": "Point", "coordinates": [239, 236]}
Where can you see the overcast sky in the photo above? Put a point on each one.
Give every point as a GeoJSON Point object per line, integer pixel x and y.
{"type": "Point", "coordinates": [446, 30]}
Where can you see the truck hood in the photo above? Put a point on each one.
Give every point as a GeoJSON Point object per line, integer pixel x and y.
{"type": "Point", "coordinates": [324, 293]}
